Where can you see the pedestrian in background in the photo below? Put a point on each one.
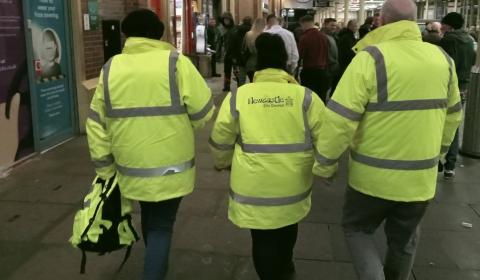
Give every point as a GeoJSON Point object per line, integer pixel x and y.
{"type": "Point", "coordinates": [212, 38]}
{"type": "Point", "coordinates": [236, 49]}
{"type": "Point", "coordinates": [346, 41]}
{"type": "Point", "coordinates": [228, 27]}
{"type": "Point", "coordinates": [459, 45]}
{"type": "Point", "coordinates": [268, 126]}
{"type": "Point", "coordinates": [274, 27]}
{"type": "Point", "coordinates": [366, 27]}
{"type": "Point", "coordinates": [148, 102]}
{"type": "Point", "coordinates": [249, 50]}
{"type": "Point", "coordinates": [313, 51]}
{"type": "Point", "coordinates": [330, 28]}
{"type": "Point", "coordinates": [375, 112]}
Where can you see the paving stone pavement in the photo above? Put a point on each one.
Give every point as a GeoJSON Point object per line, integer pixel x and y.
{"type": "Point", "coordinates": [39, 198]}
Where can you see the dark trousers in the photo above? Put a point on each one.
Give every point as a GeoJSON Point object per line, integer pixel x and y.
{"type": "Point", "coordinates": [157, 228]}
{"type": "Point", "coordinates": [213, 64]}
{"type": "Point", "coordinates": [452, 154]}
{"type": "Point", "coordinates": [316, 80]}
{"type": "Point", "coordinates": [272, 252]}
{"type": "Point", "coordinates": [362, 215]}
{"type": "Point", "coordinates": [227, 69]}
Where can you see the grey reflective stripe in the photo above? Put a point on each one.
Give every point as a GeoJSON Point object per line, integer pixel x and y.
{"type": "Point", "coordinates": [155, 172]}
{"type": "Point", "coordinates": [408, 105]}
{"type": "Point", "coordinates": [307, 100]}
{"type": "Point", "coordinates": [94, 116]}
{"type": "Point", "coordinates": [269, 201]}
{"type": "Point", "coordinates": [202, 113]}
{"type": "Point", "coordinates": [455, 108]}
{"type": "Point", "coordinates": [104, 162]}
{"type": "Point", "coordinates": [344, 111]}
{"type": "Point", "coordinates": [233, 103]}
{"type": "Point", "coordinates": [323, 159]}
{"type": "Point", "coordinates": [381, 72]}
{"type": "Point", "coordinates": [444, 149]}
{"type": "Point", "coordinates": [395, 164]}
{"type": "Point", "coordinates": [172, 78]}
{"type": "Point", "coordinates": [223, 147]}
{"type": "Point", "coordinates": [174, 109]}
{"type": "Point", "coordinates": [450, 68]}
{"type": "Point", "coordinates": [275, 148]}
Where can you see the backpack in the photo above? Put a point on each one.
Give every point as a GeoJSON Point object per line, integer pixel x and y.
{"type": "Point", "coordinates": [104, 223]}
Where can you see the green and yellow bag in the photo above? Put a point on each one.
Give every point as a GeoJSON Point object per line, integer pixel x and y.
{"type": "Point", "coordinates": [104, 223]}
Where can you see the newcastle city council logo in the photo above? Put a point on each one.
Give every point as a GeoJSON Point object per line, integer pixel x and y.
{"type": "Point", "coordinates": [271, 102]}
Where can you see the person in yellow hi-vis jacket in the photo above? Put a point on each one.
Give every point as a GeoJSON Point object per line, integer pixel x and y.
{"type": "Point", "coordinates": [397, 127]}
{"type": "Point", "coordinates": [265, 132]}
{"type": "Point", "coordinates": [141, 126]}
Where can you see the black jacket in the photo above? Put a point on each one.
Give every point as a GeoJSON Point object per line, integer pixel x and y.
{"type": "Point", "coordinates": [346, 41]}
{"type": "Point", "coordinates": [235, 44]}
{"type": "Point", "coordinates": [459, 45]}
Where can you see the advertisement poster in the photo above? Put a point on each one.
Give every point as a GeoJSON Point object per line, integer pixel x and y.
{"type": "Point", "coordinates": [93, 14]}
{"type": "Point", "coordinates": [50, 54]}
{"type": "Point", "coordinates": [16, 136]}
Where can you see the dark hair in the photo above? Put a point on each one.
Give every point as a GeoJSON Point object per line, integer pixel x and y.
{"type": "Point", "coordinates": [307, 18]}
{"type": "Point", "coordinates": [143, 23]}
{"type": "Point", "coordinates": [271, 52]}
{"type": "Point", "coordinates": [328, 20]}
{"type": "Point", "coordinates": [369, 20]}
{"type": "Point", "coordinates": [270, 17]}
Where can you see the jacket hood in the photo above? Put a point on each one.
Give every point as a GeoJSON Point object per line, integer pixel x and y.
{"type": "Point", "coordinates": [229, 16]}
{"type": "Point", "coordinates": [460, 35]}
{"type": "Point", "coordinates": [402, 30]}
{"type": "Point", "coordinates": [140, 45]}
{"type": "Point", "coordinates": [274, 75]}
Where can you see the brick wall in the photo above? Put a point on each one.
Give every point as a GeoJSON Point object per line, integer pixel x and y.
{"type": "Point", "coordinates": [93, 40]}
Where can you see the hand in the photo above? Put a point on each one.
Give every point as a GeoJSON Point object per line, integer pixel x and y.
{"type": "Point", "coordinates": [220, 169]}
{"type": "Point", "coordinates": [9, 128]}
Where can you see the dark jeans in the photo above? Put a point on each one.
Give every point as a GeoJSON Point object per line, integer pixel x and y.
{"type": "Point", "coordinates": [272, 252]}
{"type": "Point", "coordinates": [362, 215]}
{"type": "Point", "coordinates": [213, 64]}
{"type": "Point", "coordinates": [227, 69]}
{"type": "Point", "coordinates": [452, 154]}
{"type": "Point", "coordinates": [316, 80]}
{"type": "Point", "coordinates": [157, 228]}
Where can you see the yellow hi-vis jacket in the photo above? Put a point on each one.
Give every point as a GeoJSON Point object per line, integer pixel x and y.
{"type": "Point", "coordinates": [142, 118]}
{"type": "Point", "coordinates": [266, 131]}
{"type": "Point", "coordinates": [397, 107]}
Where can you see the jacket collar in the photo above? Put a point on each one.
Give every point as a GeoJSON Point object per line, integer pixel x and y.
{"type": "Point", "coordinates": [140, 45]}
{"type": "Point", "coordinates": [273, 75]}
{"type": "Point", "coordinates": [402, 30]}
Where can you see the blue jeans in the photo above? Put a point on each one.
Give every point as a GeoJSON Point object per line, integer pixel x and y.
{"type": "Point", "coordinates": [157, 228]}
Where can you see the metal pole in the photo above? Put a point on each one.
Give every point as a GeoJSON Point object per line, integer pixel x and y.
{"type": "Point", "coordinates": [455, 3]}
{"type": "Point", "coordinates": [345, 12]}
{"type": "Point", "coordinates": [361, 12]}
{"type": "Point", "coordinates": [472, 13]}
{"type": "Point", "coordinates": [336, 10]}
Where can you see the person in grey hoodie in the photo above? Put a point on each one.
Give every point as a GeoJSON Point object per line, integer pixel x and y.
{"type": "Point", "coordinates": [459, 45]}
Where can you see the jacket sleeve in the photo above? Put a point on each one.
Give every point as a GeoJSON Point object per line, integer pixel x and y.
{"type": "Point", "coordinates": [195, 93]}
{"type": "Point", "coordinates": [224, 135]}
{"type": "Point", "coordinates": [454, 114]}
{"type": "Point", "coordinates": [343, 114]}
{"type": "Point", "coordinates": [99, 142]}
{"type": "Point", "coordinates": [293, 52]}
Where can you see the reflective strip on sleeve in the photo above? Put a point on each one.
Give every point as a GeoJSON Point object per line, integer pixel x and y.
{"type": "Point", "coordinates": [269, 201]}
{"type": "Point", "coordinates": [223, 147]}
{"type": "Point", "coordinates": [408, 105]}
{"type": "Point", "coordinates": [94, 116]}
{"type": "Point", "coordinates": [344, 111]}
{"type": "Point", "coordinates": [104, 162]}
{"type": "Point", "coordinates": [202, 113]}
{"type": "Point", "coordinates": [233, 103]}
{"type": "Point", "coordinates": [323, 159]}
{"type": "Point", "coordinates": [395, 164]}
{"type": "Point", "coordinates": [381, 73]}
{"type": "Point", "coordinates": [307, 100]}
{"type": "Point", "coordinates": [444, 149]}
{"type": "Point", "coordinates": [455, 108]}
{"type": "Point", "coordinates": [156, 172]}
{"type": "Point", "coordinates": [174, 109]}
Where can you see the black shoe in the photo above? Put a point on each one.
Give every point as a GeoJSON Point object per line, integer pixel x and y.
{"type": "Point", "coordinates": [440, 167]}
{"type": "Point", "coordinates": [225, 89]}
{"type": "Point", "coordinates": [216, 75]}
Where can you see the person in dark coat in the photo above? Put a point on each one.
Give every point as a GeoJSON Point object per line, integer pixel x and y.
{"type": "Point", "coordinates": [346, 41]}
{"type": "Point", "coordinates": [366, 27]}
{"type": "Point", "coordinates": [459, 45]}
{"type": "Point", "coordinates": [212, 37]}
{"type": "Point", "coordinates": [235, 49]}
{"type": "Point", "coordinates": [228, 25]}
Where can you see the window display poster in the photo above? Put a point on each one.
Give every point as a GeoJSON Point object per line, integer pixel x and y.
{"type": "Point", "coordinates": [50, 54]}
{"type": "Point", "coordinates": [16, 136]}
